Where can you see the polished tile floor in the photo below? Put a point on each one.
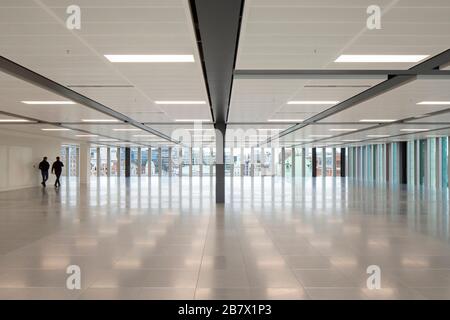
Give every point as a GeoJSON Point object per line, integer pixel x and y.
{"type": "Point", "coordinates": [273, 239]}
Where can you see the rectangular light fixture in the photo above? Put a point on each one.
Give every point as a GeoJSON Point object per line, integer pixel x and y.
{"type": "Point", "coordinates": [150, 58]}
{"type": "Point", "coordinates": [377, 120]}
{"type": "Point", "coordinates": [286, 120]}
{"type": "Point", "coordinates": [49, 102]}
{"type": "Point", "coordinates": [86, 135]}
{"type": "Point", "coordinates": [180, 102]}
{"type": "Point", "coordinates": [351, 140]}
{"type": "Point", "coordinates": [99, 120]}
{"type": "Point", "coordinates": [318, 102]}
{"type": "Point", "coordinates": [380, 58]}
{"type": "Point", "coordinates": [13, 120]}
{"type": "Point", "coordinates": [378, 135]}
{"type": "Point", "coordinates": [127, 129]}
{"type": "Point", "coordinates": [191, 120]}
{"type": "Point", "coordinates": [413, 130]}
{"type": "Point", "coordinates": [434, 103]}
{"type": "Point", "coordinates": [198, 129]}
{"type": "Point", "coordinates": [145, 136]}
{"type": "Point", "coordinates": [55, 129]}
{"type": "Point", "coordinates": [343, 130]}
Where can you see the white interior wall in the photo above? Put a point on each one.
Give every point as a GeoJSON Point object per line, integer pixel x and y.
{"type": "Point", "coordinates": [20, 155]}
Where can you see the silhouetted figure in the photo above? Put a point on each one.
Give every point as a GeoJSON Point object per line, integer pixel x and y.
{"type": "Point", "coordinates": [57, 170]}
{"type": "Point", "coordinates": [44, 166]}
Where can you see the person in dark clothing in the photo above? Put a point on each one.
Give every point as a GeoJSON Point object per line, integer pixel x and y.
{"type": "Point", "coordinates": [44, 166]}
{"type": "Point", "coordinates": [57, 170]}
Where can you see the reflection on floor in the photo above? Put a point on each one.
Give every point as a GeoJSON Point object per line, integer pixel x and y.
{"type": "Point", "coordinates": [274, 239]}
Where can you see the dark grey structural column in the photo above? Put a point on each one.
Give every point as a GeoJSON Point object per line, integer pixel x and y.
{"type": "Point", "coordinates": [403, 162]}
{"type": "Point", "coordinates": [127, 162]}
{"type": "Point", "coordinates": [343, 162]}
{"type": "Point", "coordinates": [220, 162]}
{"type": "Point", "coordinates": [314, 162]}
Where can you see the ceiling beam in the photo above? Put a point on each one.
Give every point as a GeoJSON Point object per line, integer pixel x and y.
{"type": "Point", "coordinates": [219, 24]}
{"type": "Point", "coordinates": [20, 72]}
{"type": "Point", "coordinates": [310, 74]}
{"type": "Point", "coordinates": [35, 121]}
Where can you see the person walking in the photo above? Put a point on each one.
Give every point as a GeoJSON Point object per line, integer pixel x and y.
{"type": "Point", "coordinates": [57, 170]}
{"type": "Point", "coordinates": [44, 166]}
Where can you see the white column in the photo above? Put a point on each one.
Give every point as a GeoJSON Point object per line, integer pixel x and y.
{"type": "Point", "coordinates": [77, 160]}
{"type": "Point", "coordinates": [85, 163]}
{"type": "Point", "coordinates": [149, 161]}
{"type": "Point", "coordinates": [293, 162]}
{"type": "Point", "coordinates": [118, 161]}
{"type": "Point", "coordinates": [334, 161]}
{"type": "Point", "coordinates": [303, 168]}
{"type": "Point", "coordinates": [438, 165]}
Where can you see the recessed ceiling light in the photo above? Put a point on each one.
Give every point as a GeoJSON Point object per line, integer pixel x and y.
{"type": "Point", "coordinates": [375, 58]}
{"type": "Point", "coordinates": [198, 129]}
{"type": "Point", "coordinates": [269, 129]}
{"type": "Point", "coordinates": [191, 120]}
{"type": "Point", "coordinates": [413, 130]}
{"type": "Point", "coordinates": [14, 120]}
{"type": "Point", "coordinates": [107, 140]}
{"type": "Point", "coordinates": [351, 140]}
{"type": "Point", "coordinates": [342, 129]}
{"type": "Point", "coordinates": [145, 136]}
{"type": "Point", "coordinates": [286, 120]}
{"type": "Point", "coordinates": [378, 135]}
{"type": "Point", "coordinates": [320, 135]}
{"type": "Point", "coordinates": [180, 102]}
{"type": "Point", "coordinates": [152, 58]}
{"type": "Point", "coordinates": [55, 129]}
{"type": "Point", "coordinates": [86, 135]}
{"type": "Point", "coordinates": [377, 120]}
{"type": "Point", "coordinates": [434, 103]}
{"type": "Point", "coordinates": [127, 129]}
{"type": "Point", "coordinates": [49, 102]}
{"type": "Point", "coordinates": [313, 102]}
{"type": "Point", "coordinates": [99, 120]}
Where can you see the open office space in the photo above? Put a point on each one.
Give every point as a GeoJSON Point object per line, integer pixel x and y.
{"type": "Point", "coordinates": [256, 149]}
